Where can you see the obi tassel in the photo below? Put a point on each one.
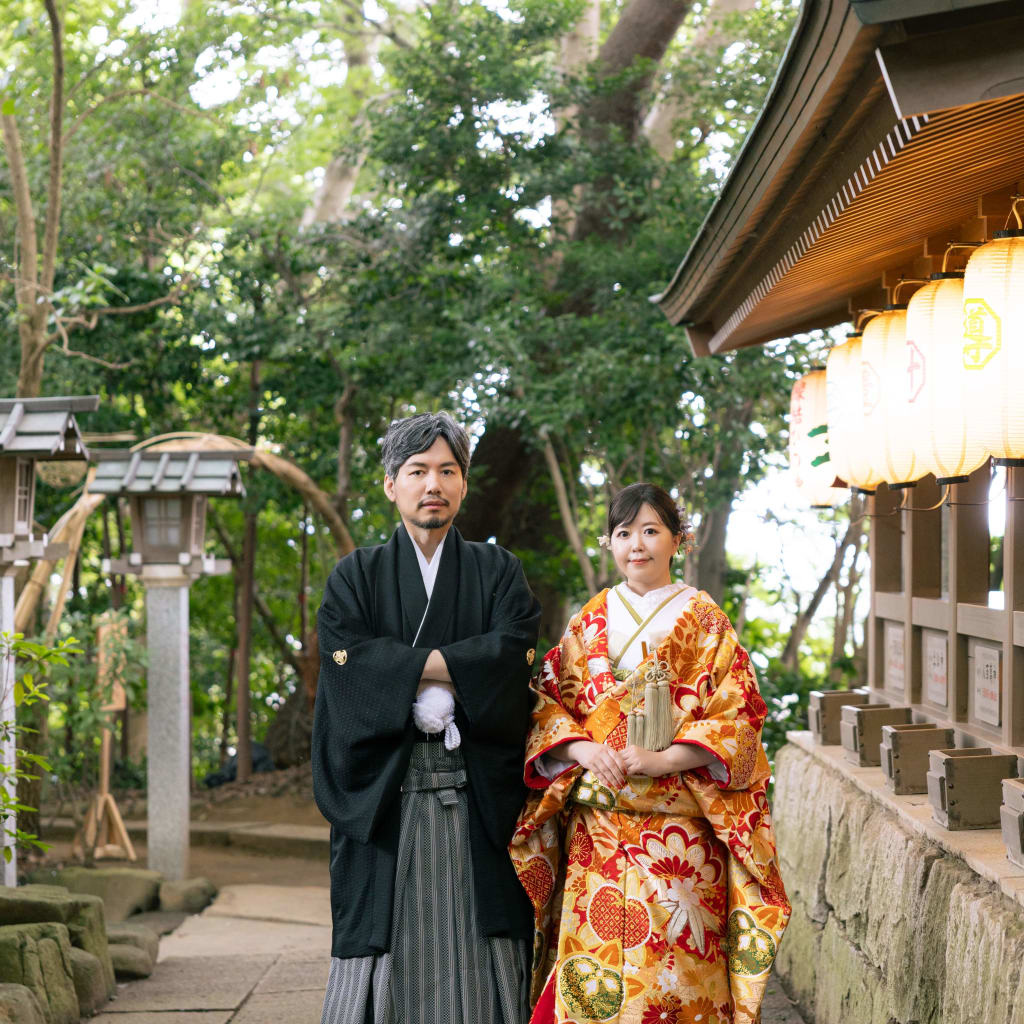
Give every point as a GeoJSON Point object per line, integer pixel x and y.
{"type": "Point", "coordinates": [635, 729]}
{"type": "Point", "coordinates": [659, 729]}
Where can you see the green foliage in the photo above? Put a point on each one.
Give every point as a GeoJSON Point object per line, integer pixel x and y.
{"type": "Point", "coordinates": [78, 697]}
{"type": "Point", "coordinates": [497, 260]}
{"type": "Point", "coordinates": [24, 669]}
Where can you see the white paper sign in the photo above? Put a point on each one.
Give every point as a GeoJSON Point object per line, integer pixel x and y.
{"type": "Point", "coordinates": [894, 674]}
{"type": "Point", "coordinates": [986, 684]}
{"type": "Point", "coordinates": [935, 688]}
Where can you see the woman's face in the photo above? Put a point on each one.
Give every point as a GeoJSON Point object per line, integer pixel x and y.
{"type": "Point", "coordinates": [643, 550]}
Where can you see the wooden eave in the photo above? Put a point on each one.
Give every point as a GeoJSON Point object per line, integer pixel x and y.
{"type": "Point", "coordinates": [861, 154]}
{"type": "Point", "coordinates": [44, 428]}
{"type": "Point", "coordinates": [168, 472]}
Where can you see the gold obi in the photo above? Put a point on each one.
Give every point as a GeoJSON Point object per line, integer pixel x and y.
{"type": "Point", "coordinates": [640, 795]}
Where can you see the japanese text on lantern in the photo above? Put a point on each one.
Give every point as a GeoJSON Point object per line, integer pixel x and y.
{"type": "Point", "coordinates": [935, 667]}
{"type": "Point", "coordinates": [982, 333]}
{"type": "Point", "coordinates": [986, 684]}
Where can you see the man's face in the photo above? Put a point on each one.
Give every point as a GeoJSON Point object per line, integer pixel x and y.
{"type": "Point", "coordinates": [428, 488]}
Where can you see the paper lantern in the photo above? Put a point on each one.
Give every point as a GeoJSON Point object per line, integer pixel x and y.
{"type": "Point", "coordinates": [942, 428]}
{"type": "Point", "coordinates": [844, 394]}
{"type": "Point", "coordinates": [810, 459]}
{"type": "Point", "coordinates": [993, 344]}
{"type": "Point", "coordinates": [891, 374]}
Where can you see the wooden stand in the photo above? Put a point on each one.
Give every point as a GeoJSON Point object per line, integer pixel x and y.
{"type": "Point", "coordinates": [103, 830]}
{"type": "Point", "coordinates": [905, 751]}
{"type": "Point", "coordinates": [860, 729]}
{"type": "Point", "coordinates": [964, 786]}
{"type": "Point", "coordinates": [1011, 819]}
{"type": "Point", "coordinates": [824, 709]}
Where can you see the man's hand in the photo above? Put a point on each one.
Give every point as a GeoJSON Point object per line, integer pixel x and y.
{"type": "Point", "coordinates": [436, 669]}
{"type": "Point", "coordinates": [603, 761]}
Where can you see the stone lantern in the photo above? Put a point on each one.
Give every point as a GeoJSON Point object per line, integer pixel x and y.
{"type": "Point", "coordinates": [167, 492]}
{"type": "Point", "coordinates": [31, 430]}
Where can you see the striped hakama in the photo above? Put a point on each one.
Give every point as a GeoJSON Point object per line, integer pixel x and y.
{"type": "Point", "coordinates": [441, 969]}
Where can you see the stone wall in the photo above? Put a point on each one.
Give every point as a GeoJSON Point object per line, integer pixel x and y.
{"type": "Point", "coordinates": [888, 927]}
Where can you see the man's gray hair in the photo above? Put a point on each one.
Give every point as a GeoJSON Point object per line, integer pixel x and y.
{"type": "Point", "coordinates": [414, 434]}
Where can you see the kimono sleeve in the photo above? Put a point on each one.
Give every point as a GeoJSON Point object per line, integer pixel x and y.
{"type": "Point", "coordinates": [365, 692]}
{"type": "Point", "coordinates": [726, 718]}
{"type": "Point", "coordinates": [552, 723]}
{"type": "Point", "coordinates": [501, 657]}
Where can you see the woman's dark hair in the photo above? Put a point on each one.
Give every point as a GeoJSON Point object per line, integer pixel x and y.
{"type": "Point", "coordinates": [627, 504]}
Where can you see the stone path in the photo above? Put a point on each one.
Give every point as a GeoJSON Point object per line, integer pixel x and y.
{"type": "Point", "coordinates": [259, 955]}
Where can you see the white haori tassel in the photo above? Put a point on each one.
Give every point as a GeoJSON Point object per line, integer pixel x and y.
{"type": "Point", "coordinates": [433, 711]}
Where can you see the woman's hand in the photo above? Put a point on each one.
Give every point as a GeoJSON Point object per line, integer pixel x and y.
{"type": "Point", "coordinates": [604, 762]}
{"type": "Point", "coordinates": [679, 757]}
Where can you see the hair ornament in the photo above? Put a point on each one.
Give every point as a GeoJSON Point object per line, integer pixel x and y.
{"type": "Point", "coordinates": [686, 528]}
{"type": "Point", "coordinates": [604, 541]}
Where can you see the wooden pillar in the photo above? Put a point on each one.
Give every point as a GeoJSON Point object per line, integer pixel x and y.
{"type": "Point", "coordinates": [1013, 593]}
{"type": "Point", "coordinates": [922, 573]}
{"type": "Point", "coordinates": [884, 544]}
{"type": "Point", "coordinates": [968, 574]}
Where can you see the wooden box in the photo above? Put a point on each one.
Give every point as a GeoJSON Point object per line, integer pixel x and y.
{"type": "Point", "coordinates": [964, 786]}
{"type": "Point", "coordinates": [1011, 819]}
{"type": "Point", "coordinates": [860, 729]}
{"type": "Point", "coordinates": [823, 712]}
{"type": "Point", "coordinates": [904, 753]}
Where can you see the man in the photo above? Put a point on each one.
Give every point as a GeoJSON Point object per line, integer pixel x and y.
{"type": "Point", "coordinates": [421, 715]}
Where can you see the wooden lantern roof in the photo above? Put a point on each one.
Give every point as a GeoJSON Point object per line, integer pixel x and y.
{"type": "Point", "coordinates": [893, 126]}
{"type": "Point", "coordinates": [44, 428]}
{"type": "Point", "coordinates": [168, 472]}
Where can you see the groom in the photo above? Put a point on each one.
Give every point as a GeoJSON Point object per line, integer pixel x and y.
{"type": "Point", "coordinates": [422, 709]}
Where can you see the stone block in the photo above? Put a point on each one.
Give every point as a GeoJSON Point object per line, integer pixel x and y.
{"type": "Point", "coordinates": [82, 913]}
{"type": "Point", "coordinates": [190, 896]}
{"type": "Point", "coordinates": [823, 711]}
{"type": "Point", "coordinates": [38, 956]}
{"type": "Point", "coordinates": [131, 934]}
{"type": "Point", "coordinates": [985, 935]}
{"type": "Point", "coordinates": [18, 1005]}
{"type": "Point", "coordinates": [130, 961]}
{"type": "Point", "coordinates": [799, 956]}
{"type": "Point", "coordinates": [90, 981]}
{"type": "Point", "coordinates": [964, 786]}
{"type": "Point", "coordinates": [124, 891]}
{"type": "Point", "coordinates": [163, 922]}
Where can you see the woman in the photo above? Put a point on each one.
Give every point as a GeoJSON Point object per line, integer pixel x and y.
{"type": "Point", "coordinates": [646, 847]}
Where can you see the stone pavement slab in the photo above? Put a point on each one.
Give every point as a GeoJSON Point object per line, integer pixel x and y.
{"type": "Point", "coordinates": [310, 904]}
{"type": "Point", "coordinates": [213, 935]}
{"type": "Point", "coordinates": [186, 1017]}
{"type": "Point", "coordinates": [296, 976]}
{"type": "Point", "coordinates": [194, 983]}
{"type": "Point", "coordinates": [278, 1007]}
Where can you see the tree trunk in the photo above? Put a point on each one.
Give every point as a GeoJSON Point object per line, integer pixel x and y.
{"type": "Point", "coordinates": [675, 107]}
{"type": "Point", "coordinates": [246, 584]}
{"type": "Point", "coordinates": [790, 655]}
{"type": "Point", "coordinates": [711, 559]}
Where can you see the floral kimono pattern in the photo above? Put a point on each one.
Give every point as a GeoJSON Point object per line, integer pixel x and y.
{"type": "Point", "coordinates": [662, 902]}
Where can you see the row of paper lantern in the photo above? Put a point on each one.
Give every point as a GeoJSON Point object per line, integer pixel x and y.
{"type": "Point", "coordinates": [936, 386]}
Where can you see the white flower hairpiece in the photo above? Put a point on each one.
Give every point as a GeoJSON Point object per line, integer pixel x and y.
{"type": "Point", "coordinates": [604, 541]}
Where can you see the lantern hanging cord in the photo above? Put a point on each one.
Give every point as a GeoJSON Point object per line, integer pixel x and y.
{"type": "Point", "coordinates": [1014, 212]}
{"type": "Point", "coordinates": [858, 321]}
{"type": "Point", "coordinates": [956, 245]}
{"type": "Point", "coordinates": [902, 281]}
